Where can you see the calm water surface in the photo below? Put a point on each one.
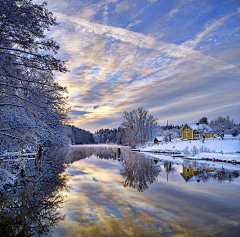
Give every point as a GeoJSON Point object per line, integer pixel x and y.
{"type": "Point", "coordinates": [135, 194]}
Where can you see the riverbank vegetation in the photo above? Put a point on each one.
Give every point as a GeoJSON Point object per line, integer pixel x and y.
{"type": "Point", "coordinates": [33, 105]}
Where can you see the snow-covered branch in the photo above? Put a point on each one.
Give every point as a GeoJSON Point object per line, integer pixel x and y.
{"type": "Point", "coordinates": [33, 105]}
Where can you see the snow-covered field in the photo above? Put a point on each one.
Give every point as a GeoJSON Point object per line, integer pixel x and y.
{"type": "Point", "coordinates": [211, 148]}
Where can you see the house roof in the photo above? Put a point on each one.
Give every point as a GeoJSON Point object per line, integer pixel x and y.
{"type": "Point", "coordinates": [159, 138]}
{"type": "Point", "coordinates": [198, 127]}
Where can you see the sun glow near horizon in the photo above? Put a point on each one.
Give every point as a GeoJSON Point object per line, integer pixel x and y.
{"type": "Point", "coordinates": [179, 60]}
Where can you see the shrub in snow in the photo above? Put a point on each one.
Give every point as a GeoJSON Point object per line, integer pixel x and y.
{"type": "Point", "coordinates": [234, 132]}
{"type": "Point", "coordinates": [186, 151]}
{"type": "Point", "coordinates": [194, 151]}
{"type": "Point", "coordinates": [203, 149]}
{"type": "Point", "coordinates": [206, 149]}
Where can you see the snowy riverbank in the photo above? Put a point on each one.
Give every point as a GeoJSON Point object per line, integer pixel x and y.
{"type": "Point", "coordinates": [225, 150]}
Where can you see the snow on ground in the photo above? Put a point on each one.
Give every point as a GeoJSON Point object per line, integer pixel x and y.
{"type": "Point", "coordinates": [219, 156]}
{"type": "Point", "coordinates": [162, 157]}
{"type": "Point", "coordinates": [225, 150]}
{"type": "Point", "coordinates": [214, 145]}
{"type": "Point", "coordinates": [176, 160]}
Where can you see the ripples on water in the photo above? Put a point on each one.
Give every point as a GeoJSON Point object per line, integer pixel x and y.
{"type": "Point", "coordinates": [112, 193]}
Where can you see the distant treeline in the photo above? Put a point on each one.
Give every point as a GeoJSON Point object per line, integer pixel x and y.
{"type": "Point", "coordinates": [127, 135]}
{"type": "Point", "coordinates": [79, 136]}
{"type": "Point", "coordinates": [167, 127]}
{"type": "Point", "coordinates": [114, 135]}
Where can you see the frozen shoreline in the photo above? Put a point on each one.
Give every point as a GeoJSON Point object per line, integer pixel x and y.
{"type": "Point", "coordinates": [211, 149]}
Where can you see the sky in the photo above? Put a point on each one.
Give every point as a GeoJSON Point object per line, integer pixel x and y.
{"type": "Point", "coordinates": [177, 58]}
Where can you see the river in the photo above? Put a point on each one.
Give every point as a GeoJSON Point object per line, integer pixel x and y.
{"type": "Point", "coordinates": [103, 192]}
{"type": "Point", "coordinates": [136, 194]}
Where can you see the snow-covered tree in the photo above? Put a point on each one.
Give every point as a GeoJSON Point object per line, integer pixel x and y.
{"type": "Point", "coordinates": [169, 135]}
{"type": "Point", "coordinates": [32, 103]}
{"type": "Point", "coordinates": [138, 126]}
{"type": "Point", "coordinates": [79, 136]}
{"type": "Point", "coordinates": [203, 120]}
{"type": "Point", "coordinates": [222, 125]}
{"type": "Point", "coordinates": [103, 135]}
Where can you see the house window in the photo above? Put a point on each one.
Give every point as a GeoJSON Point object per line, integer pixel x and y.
{"type": "Point", "coordinates": [187, 134]}
{"type": "Point", "coordinates": [187, 170]}
{"type": "Point", "coordinates": [186, 127]}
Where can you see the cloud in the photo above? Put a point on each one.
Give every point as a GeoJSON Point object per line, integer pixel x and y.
{"type": "Point", "coordinates": [136, 22]}
{"type": "Point", "coordinates": [115, 69]}
{"type": "Point", "coordinates": [84, 26]}
{"type": "Point", "coordinates": [124, 6]}
{"type": "Point", "coordinates": [76, 112]}
{"type": "Point", "coordinates": [152, 1]}
{"type": "Point", "coordinates": [208, 31]}
{"type": "Point", "coordinates": [172, 12]}
{"type": "Point", "coordinates": [88, 13]}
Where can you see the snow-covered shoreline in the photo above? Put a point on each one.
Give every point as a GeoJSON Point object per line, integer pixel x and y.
{"type": "Point", "coordinates": [212, 149]}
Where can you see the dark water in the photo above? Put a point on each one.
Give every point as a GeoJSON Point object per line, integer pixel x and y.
{"type": "Point", "coordinates": [30, 206]}
{"type": "Point", "coordinates": [106, 193]}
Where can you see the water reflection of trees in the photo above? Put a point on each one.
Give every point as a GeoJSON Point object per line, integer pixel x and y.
{"type": "Point", "coordinates": [169, 168]}
{"type": "Point", "coordinates": [30, 206]}
{"type": "Point", "coordinates": [139, 171]}
{"type": "Point", "coordinates": [193, 171]}
{"type": "Point", "coordinates": [79, 153]}
{"type": "Point", "coordinates": [102, 152]}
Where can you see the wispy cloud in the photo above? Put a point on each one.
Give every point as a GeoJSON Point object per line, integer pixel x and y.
{"type": "Point", "coordinates": [114, 68]}
{"type": "Point", "coordinates": [152, 1]}
{"type": "Point", "coordinates": [209, 30]}
{"type": "Point", "coordinates": [136, 22]}
{"type": "Point", "coordinates": [172, 12]}
{"type": "Point", "coordinates": [124, 6]}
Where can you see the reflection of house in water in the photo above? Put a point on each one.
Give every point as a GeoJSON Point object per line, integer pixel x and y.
{"type": "Point", "coordinates": [190, 173]}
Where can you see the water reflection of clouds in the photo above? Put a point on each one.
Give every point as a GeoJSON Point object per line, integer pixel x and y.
{"type": "Point", "coordinates": [101, 206]}
{"type": "Point", "coordinates": [108, 209]}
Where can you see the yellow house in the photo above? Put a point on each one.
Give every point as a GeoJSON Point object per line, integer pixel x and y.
{"type": "Point", "coordinates": [196, 131]}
